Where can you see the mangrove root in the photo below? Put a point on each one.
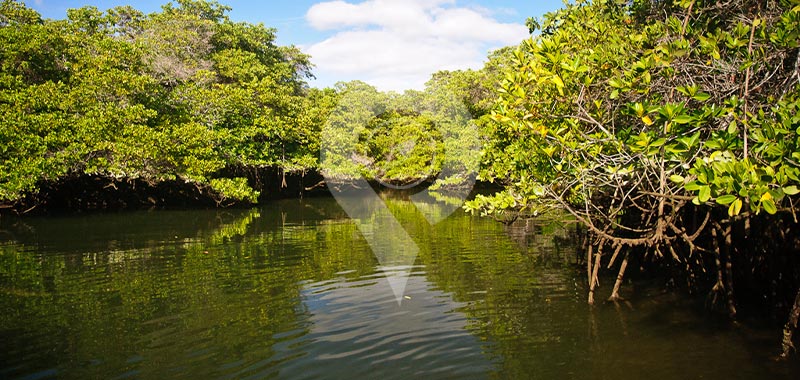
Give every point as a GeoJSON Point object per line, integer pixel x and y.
{"type": "Point", "coordinates": [615, 293]}
{"type": "Point", "coordinates": [791, 326]}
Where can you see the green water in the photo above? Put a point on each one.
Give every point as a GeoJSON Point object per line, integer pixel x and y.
{"type": "Point", "coordinates": [292, 290]}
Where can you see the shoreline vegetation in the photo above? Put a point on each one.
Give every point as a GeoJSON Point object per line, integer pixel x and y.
{"type": "Point", "coordinates": [668, 129]}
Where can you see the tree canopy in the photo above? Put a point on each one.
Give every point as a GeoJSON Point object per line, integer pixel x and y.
{"type": "Point", "coordinates": [174, 95]}
{"type": "Point", "coordinates": [188, 95]}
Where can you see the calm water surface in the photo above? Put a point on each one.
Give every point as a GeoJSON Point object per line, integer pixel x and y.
{"type": "Point", "coordinates": [292, 290]}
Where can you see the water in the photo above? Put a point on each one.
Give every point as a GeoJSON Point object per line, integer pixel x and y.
{"type": "Point", "coordinates": [292, 291]}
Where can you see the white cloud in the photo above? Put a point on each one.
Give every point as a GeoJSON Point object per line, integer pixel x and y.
{"type": "Point", "coordinates": [398, 44]}
{"type": "Point", "coordinates": [38, 2]}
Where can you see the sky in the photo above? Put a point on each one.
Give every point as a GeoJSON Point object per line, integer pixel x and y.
{"type": "Point", "coordinates": [392, 44]}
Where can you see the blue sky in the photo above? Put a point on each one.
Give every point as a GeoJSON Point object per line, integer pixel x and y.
{"type": "Point", "coordinates": [392, 44]}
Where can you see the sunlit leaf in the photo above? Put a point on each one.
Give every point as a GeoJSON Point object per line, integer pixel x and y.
{"type": "Point", "coordinates": [769, 206]}
{"type": "Point", "coordinates": [683, 119]}
{"type": "Point", "coordinates": [791, 190]}
{"type": "Point", "coordinates": [735, 207]}
{"type": "Point", "coordinates": [726, 199]}
{"type": "Point", "coordinates": [705, 194]}
{"type": "Point", "coordinates": [692, 186]}
{"type": "Point", "coordinates": [677, 178]}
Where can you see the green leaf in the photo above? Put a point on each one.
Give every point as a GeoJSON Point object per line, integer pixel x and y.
{"type": "Point", "coordinates": [701, 96]}
{"type": "Point", "coordinates": [733, 128]}
{"type": "Point", "coordinates": [692, 186]}
{"type": "Point", "coordinates": [677, 178]}
{"type": "Point", "coordinates": [559, 84]}
{"type": "Point", "coordinates": [683, 119]}
{"type": "Point", "coordinates": [557, 80]}
{"type": "Point", "coordinates": [735, 207]}
{"type": "Point", "coordinates": [726, 199]}
{"type": "Point", "coordinates": [613, 82]}
{"type": "Point", "coordinates": [791, 190]}
{"type": "Point", "coordinates": [769, 206]}
{"type": "Point", "coordinates": [705, 194]}
{"type": "Point", "coordinates": [675, 149]}
{"type": "Point", "coordinates": [639, 109]}
{"type": "Point", "coordinates": [690, 141]}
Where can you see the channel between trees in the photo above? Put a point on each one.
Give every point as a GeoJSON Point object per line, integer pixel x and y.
{"type": "Point", "coordinates": [668, 129]}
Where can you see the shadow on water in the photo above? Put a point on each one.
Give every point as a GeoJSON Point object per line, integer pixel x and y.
{"type": "Point", "coordinates": [292, 290]}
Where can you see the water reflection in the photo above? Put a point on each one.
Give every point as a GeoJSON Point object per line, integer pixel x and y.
{"type": "Point", "coordinates": [359, 332]}
{"type": "Point", "coordinates": [293, 290]}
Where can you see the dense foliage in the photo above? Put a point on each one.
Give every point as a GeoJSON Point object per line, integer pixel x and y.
{"type": "Point", "coordinates": [401, 139]}
{"type": "Point", "coordinates": [189, 95]}
{"type": "Point", "coordinates": [175, 95]}
{"type": "Point", "coordinates": [668, 128]}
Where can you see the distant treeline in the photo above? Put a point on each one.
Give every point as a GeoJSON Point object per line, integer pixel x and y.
{"type": "Point", "coordinates": [186, 96]}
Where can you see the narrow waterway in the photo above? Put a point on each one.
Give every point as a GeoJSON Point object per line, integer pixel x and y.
{"type": "Point", "coordinates": [292, 290]}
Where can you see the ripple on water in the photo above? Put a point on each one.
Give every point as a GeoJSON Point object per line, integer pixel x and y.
{"type": "Point", "coordinates": [359, 330]}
